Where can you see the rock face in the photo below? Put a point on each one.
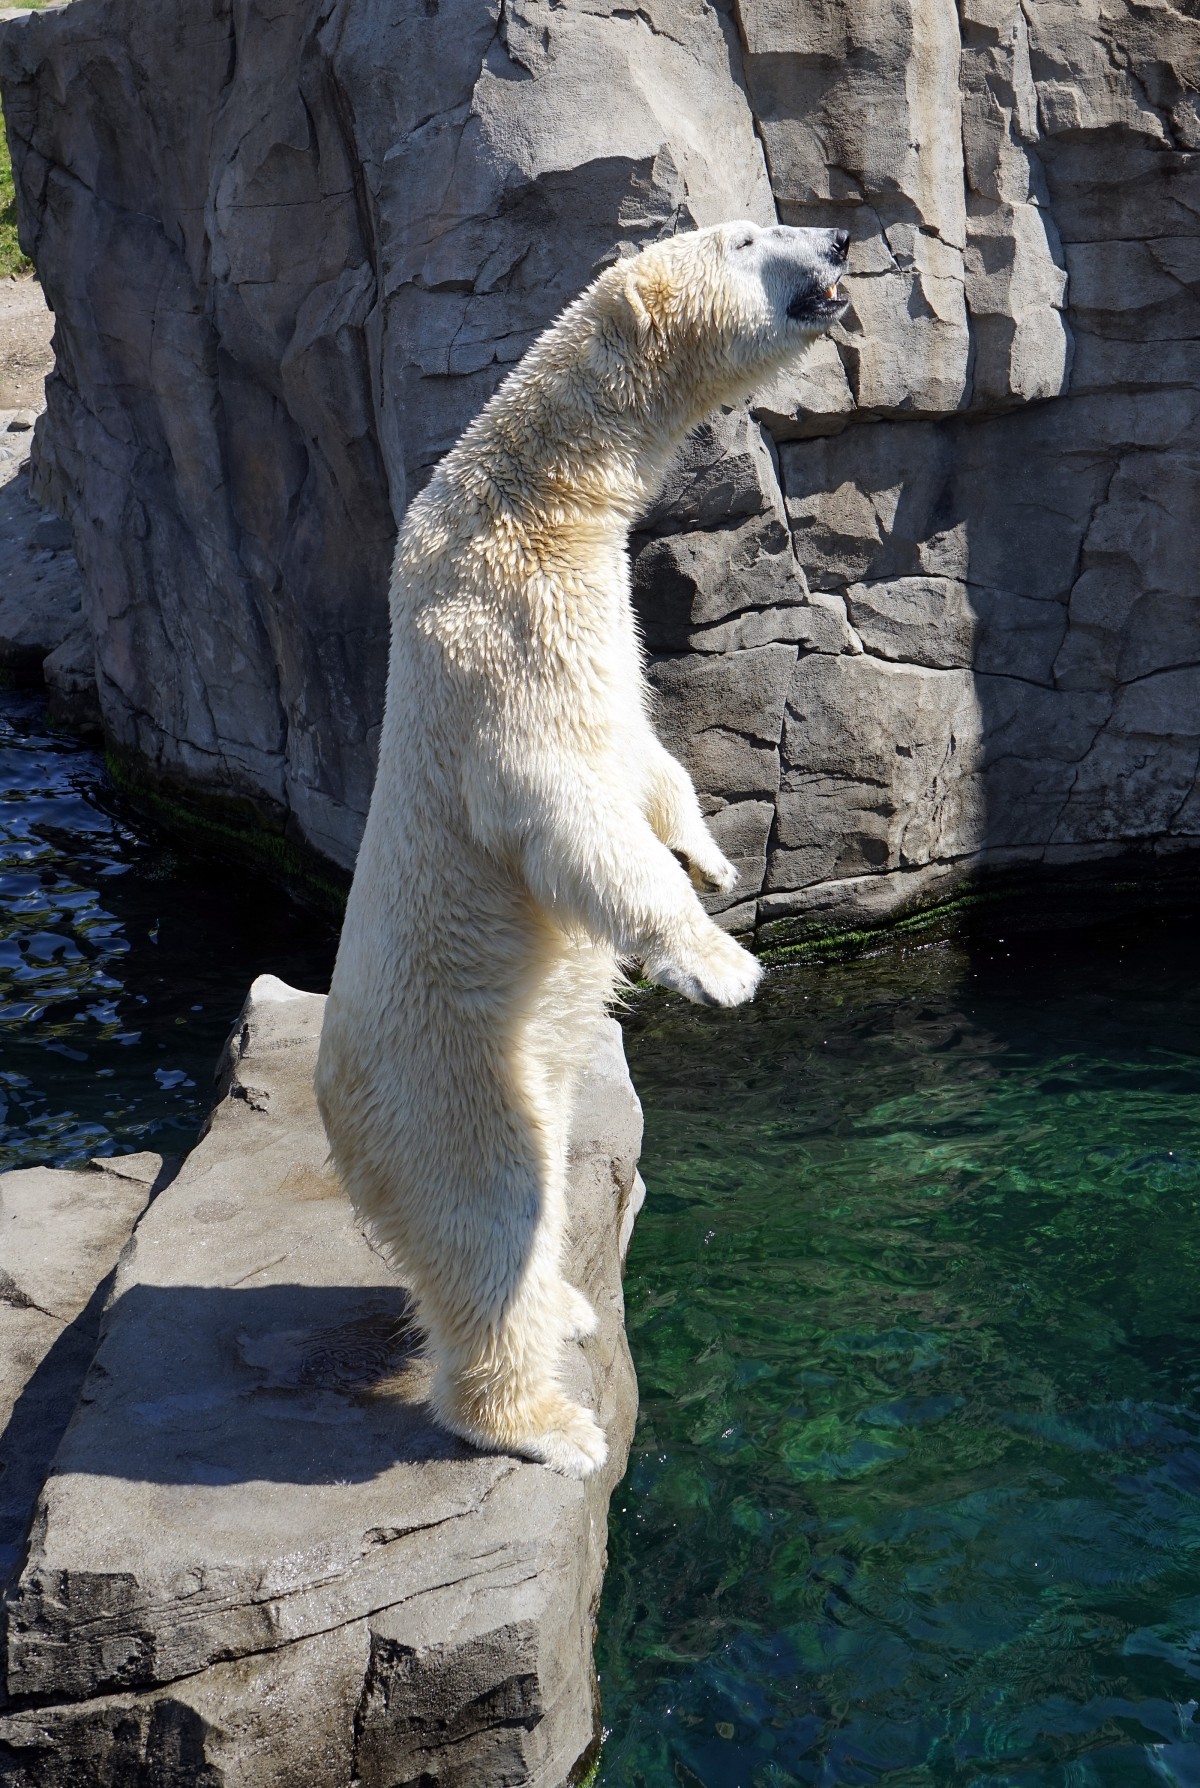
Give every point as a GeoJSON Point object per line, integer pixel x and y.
{"type": "Point", "coordinates": [927, 605]}
{"type": "Point", "coordinates": [256, 1561]}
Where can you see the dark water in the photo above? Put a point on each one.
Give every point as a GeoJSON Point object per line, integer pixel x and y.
{"type": "Point", "coordinates": [122, 964]}
{"type": "Point", "coordinates": [915, 1494]}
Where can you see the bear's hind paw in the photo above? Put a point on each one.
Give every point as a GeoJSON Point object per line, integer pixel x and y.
{"type": "Point", "coordinates": [572, 1443]}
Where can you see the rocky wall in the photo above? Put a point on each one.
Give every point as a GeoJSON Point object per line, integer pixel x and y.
{"type": "Point", "coordinates": [928, 605]}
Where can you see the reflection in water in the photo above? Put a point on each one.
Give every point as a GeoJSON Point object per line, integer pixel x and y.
{"type": "Point", "coordinates": [122, 964]}
{"type": "Point", "coordinates": [915, 1494]}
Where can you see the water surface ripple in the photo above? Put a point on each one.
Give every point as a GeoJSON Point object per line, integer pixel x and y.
{"type": "Point", "coordinates": [123, 963]}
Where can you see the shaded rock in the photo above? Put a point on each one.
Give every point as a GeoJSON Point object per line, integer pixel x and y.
{"type": "Point", "coordinates": [685, 584]}
{"type": "Point", "coordinates": [724, 472]}
{"type": "Point", "coordinates": [915, 620]}
{"type": "Point", "coordinates": [40, 590]}
{"type": "Point", "coordinates": [60, 1235]}
{"type": "Point", "coordinates": [296, 1576]}
{"type": "Point", "coordinates": [813, 398]}
{"type": "Point", "coordinates": [70, 677]}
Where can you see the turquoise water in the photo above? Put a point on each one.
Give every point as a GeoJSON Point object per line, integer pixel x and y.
{"type": "Point", "coordinates": [915, 1491]}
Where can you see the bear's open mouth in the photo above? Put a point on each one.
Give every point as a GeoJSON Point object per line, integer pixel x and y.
{"type": "Point", "coordinates": [817, 306]}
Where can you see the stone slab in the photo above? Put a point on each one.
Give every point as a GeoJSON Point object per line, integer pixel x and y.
{"type": "Point", "coordinates": [60, 1235]}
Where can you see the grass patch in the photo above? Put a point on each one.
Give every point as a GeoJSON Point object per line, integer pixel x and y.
{"type": "Point", "coordinates": [11, 258]}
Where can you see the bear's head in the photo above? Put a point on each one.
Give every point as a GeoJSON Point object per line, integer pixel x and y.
{"type": "Point", "coordinates": [700, 319]}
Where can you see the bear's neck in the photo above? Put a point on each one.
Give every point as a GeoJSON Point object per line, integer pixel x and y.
{"type": "Point", "coordinates": [551, 447]}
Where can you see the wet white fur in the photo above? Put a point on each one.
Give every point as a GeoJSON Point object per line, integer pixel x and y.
{"type": "Point", "coordinates": [526, 825]}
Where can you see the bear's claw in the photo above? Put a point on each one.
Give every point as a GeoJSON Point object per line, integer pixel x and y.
{"type": "Point", "coordinates": [554, 1432]}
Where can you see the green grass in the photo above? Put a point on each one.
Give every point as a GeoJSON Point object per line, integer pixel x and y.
{"type": "Point", "coordinates": [11, 258]}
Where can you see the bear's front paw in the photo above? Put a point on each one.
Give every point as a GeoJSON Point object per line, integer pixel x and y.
{"type": "Point", "coordinates": [582, 1320]}
{"type": "Point", "coordinates": [718, 973]}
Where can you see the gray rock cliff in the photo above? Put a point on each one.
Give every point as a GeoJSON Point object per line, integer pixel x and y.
{"type": "Point", "coordinates": [929, 604]}
{"type": "Point", "coordinates": [254, 1561]}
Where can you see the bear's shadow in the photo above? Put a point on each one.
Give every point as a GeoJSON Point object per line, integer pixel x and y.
{"type": "Point", "coordinates": [281, 1383]}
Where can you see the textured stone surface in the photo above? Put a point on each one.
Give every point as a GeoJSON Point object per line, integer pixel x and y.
{"type": "Point", "coordinates": [255, 1553]}
{"type": "Point", "coordinates": [60, 1235]}
{"type": "Point", "coordinates": [292, 248]}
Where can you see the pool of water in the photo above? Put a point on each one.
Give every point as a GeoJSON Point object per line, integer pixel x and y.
{"type": "Point", "coordinates": [123, 963]}
{"type": "Point", "coordinates": [915, 1491]}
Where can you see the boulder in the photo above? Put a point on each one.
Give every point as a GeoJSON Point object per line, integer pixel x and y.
{"type": "Point", "coordinates": [256, 1560]}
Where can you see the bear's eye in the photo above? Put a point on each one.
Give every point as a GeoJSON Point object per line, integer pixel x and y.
{"type": "Point", "coordinates": [744, 242]}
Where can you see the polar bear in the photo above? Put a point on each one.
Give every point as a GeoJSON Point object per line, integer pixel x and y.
{"type": "Point", "coordinates": [528, 832]}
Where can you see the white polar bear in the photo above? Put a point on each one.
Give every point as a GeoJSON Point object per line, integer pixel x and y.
{"type": "Point", "coordinates": [527, 830]}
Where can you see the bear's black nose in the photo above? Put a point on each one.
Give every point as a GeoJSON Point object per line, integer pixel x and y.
{"type": "Point", "coordinates": [841, 244]}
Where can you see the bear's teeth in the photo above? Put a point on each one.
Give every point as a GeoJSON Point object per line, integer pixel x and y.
{"type": "Point", "coordinates": [832, 291]}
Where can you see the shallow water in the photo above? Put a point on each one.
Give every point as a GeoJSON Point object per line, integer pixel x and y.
{"type": "Point", "coordinates": [915, 1492]}
{"type": "Point", "coordinates": [123, 963]}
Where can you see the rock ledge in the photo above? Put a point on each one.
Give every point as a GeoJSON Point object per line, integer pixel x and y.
{"type": "Point", "coordinates": [255, 1560]}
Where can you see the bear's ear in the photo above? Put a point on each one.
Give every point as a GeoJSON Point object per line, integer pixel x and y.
{"type": "Point", "coordinates": [625, 306]}
{"type": "Point", "coordinates": [643, 322]}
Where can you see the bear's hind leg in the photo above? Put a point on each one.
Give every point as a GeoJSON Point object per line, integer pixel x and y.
{"type": "Point", "coordinates": [575, 995]}
{"type": "Point", "coordinates": [499, 1314]}
{"type": "Point", "coordinates": [497, 1381]}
